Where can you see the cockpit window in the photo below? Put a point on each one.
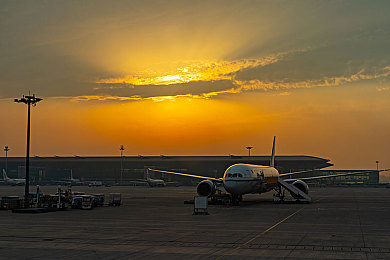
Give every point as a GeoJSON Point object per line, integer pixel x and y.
{"type": "Point", "coordinates": [239, 175]}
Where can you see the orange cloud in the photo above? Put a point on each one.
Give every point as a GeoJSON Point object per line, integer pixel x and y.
{"type": "Point", "coordinates": [240, 86]}
{"type": "Point", "coordinates": [324, 82]}
{"type": "Point", "coordinates": [195, 71]}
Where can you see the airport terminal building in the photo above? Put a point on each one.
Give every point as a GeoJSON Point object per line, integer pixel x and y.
{"type": "Point", "coordinates": [127, 168]}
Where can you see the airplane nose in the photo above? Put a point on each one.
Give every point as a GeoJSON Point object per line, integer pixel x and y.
{"type": "Point", "coordinates": [233, 187]}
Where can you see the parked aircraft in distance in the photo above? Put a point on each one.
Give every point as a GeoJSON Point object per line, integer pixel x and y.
{"type": "Point", "coordinates": [12, 181]}
{"type": "Point", "coordinates": [71, 181]}
{"type": "Point", "coordinates": [94, 183]}
{"type": "Point", "coordinates": [147, 181]}
{"type": "Point", "coordinates": [154, 182]}
{"type": "Point", "coordinates": [240, 179]}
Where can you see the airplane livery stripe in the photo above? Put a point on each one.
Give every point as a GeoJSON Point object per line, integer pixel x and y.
{"type": "Point", "coordinates": [244, 180]}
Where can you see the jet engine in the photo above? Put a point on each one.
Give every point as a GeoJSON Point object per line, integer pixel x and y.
{"type": "Point", "coordinates": [301, 185]}
{"type": "Point", "coordinates": [206, 188]}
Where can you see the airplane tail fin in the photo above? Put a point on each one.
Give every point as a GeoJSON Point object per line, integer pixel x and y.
{"type": "Point", "coordinates": [5, 177]}
{"type": "Point", "coordinates": [272, 163]}
{"type": "Point", "coordinates": [147, 175]}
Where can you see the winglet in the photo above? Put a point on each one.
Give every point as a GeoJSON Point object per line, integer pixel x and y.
{"type": "Point", "coordinates": [272, 164]}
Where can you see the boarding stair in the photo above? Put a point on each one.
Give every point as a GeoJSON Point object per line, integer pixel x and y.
{"type": "Point", "coordinates": [297, 194]}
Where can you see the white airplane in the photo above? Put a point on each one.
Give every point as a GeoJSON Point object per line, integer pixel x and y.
{"type": "Point", "coordinates": [154, 182]}
{"type": "Point", "coordinates": [240, 179]}
{"type": "Point", "coordinates": [72, 179]}
{"type": "Point", "coordinates": [12, 181]}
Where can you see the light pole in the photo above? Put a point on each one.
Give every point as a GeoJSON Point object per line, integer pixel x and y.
{"type": "Point", "coordinates": [249, 151]}
{"type": "Point", "coordinates": [6, 149]}
{"type": "Point", "coordinates": [122, 149]}
{"type": "Point", "coordinates": [28, 100]}
{"type": "Point", "coordinates": [377, 165]}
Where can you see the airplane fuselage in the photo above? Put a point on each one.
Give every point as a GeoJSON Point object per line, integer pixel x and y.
{"type": "Point", "coordinates": [15, 181]}
{"type": "Point", "coordinates": [156, 182]}
{"type": "Point", "coordinates": [241, 179]}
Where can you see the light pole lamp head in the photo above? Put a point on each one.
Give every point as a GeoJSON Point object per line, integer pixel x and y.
{"type": "Point", "coordinates": [22, 100]}
{"type": "Point", "coordinates": [28, 100]}
{"type": "Point", "coordinates": [122, 148]}
{"type": "Point", "coordinates": [249, 147]}
{"type": "Point", "coordinates": [6, 148]}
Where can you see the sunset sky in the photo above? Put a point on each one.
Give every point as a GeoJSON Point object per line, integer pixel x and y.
{"type": "Point", "coordinates": [198, 78]}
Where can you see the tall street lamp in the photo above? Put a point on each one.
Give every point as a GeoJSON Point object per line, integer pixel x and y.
{"type": "Point", "coordinates": [377, 165]}
{"type": "Point", "coordinates": [6, 149]}
{"type": "Point", "coordinates": [249, 151]}
{"type": "Point", "coordinates": [122, 149]}
{"type": "Point", "coordinates": [28, 100]}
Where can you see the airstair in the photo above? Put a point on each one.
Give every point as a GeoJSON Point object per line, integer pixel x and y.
{"type": "Point", "coordinates": [298, 196]}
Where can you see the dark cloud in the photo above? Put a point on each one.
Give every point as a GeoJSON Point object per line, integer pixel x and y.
{"type": "Point", "coordinates": [343, 58]}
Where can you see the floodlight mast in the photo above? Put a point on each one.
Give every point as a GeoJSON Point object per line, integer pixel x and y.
{"type": "Point", "coordinates": [122, 148]}
{"type": "Point", "coordinates": [249, 150]}
{"type": "Point", "coordinates": [28, 100]}
{"type": "Point", "coordinates": [6, 149]}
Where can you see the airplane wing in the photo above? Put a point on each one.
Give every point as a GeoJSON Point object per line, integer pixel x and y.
{"type": "Point", "coordinates": [332, 176]}
{"type": "Point", "coordinates": [188, 175]}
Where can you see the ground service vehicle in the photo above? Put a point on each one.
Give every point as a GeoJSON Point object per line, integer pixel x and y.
{"type": "Point", "coordinates": [98, 200]}
{"type": "Point", "coordinates": [87, 202]}
{"type": "Point", "coordinates": [76, 202]}
{"type": "Point", "coordinates": [115, 199]}
{"type": "Point", "coordinates": [78, 193]}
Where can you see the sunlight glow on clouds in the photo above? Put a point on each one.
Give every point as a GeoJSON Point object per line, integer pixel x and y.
{"type": "Point", "coordinates": [195, 71]}
{"type": "Point", "coordinates": [220, 71]}
{"type": "Point", "coordinates": [382, 88]}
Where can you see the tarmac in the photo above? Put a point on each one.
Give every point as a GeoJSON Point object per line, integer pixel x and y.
{"type": "Point", "coordinates": [154, 223]}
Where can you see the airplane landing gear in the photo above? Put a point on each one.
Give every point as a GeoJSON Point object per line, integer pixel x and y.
{"type": "Point", "coordinates": [225, 199]}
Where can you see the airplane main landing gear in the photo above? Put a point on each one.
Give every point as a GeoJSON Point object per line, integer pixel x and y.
{"type": "Point", "coordinates": [225, 199]}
